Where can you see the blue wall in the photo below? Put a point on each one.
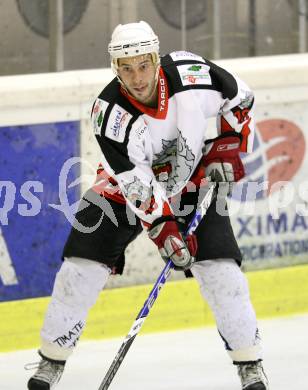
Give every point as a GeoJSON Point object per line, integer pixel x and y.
{"type": "Point", "coordinates": [36, 152]}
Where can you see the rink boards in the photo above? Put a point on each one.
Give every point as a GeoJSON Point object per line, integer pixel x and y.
{"type": "Point", "coordinates": [49, 157]}
{"type": "Point", "coordinates": [276, 292]}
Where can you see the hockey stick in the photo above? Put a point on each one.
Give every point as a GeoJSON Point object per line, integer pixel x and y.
{"type": "Point", "coordinates": [199, 214]}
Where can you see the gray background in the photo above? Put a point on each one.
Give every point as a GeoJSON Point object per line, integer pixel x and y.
{"type": "Point", "coordinates": [22, 50]}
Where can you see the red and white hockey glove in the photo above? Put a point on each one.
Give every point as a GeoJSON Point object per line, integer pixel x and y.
{"type": "Point", "coordinates": [221, 158]}
{"type": "Point", "coordinates": [171, 244]}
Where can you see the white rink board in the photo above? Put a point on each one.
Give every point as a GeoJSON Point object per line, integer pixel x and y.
{"type": "Point", "coordinates": [184, 360]}
{"type": "Point", "coordinates": [280, 84]}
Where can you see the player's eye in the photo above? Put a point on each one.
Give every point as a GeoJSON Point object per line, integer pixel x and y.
{"type": "Point", "coordinates": [126, 69]}
{"type": "Point", "coordinates": [144, 66]}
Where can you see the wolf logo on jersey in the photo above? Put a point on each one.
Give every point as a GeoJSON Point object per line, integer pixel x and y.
{"type": "Point", "coordinates": [140, 195]}
{"type": "Point", "coordinates": [175, 161]}
{"type": "Point", "coordinates": [137, 190]}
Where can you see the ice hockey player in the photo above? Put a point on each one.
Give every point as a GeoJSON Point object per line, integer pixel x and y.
{"type": "Point", "coordinates": [151, 124]}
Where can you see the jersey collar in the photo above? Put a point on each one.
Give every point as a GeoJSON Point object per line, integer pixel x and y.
{"type": "Point", "coordinates": [161, 111]}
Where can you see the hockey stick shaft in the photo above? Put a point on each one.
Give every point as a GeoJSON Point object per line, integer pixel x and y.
{"type": "Point", "coordinates": [199, 214]}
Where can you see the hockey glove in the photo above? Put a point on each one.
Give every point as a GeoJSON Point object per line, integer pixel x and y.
{"type": "Point", "coordinates": [171, 244]}
{"type": "Point", "coordinates": [221, 158]}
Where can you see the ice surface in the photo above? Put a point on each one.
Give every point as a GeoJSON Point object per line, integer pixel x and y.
{"type": "Point", "coordinates": [182, 360]}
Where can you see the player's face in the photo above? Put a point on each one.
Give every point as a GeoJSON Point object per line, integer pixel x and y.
{"type": "Point", "coordinates": [138, 75]}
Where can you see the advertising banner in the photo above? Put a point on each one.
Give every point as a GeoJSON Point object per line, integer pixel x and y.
{"type": "Point", "coordinates": [269, 208]}
{"type": "Point", "coordinates": [32, 228]}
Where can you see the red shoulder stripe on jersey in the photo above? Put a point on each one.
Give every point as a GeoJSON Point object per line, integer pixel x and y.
{"type": "Point", "coordinates": [245, 133]}
{"type": "Point", "coordinates": [161, 111]}
{"type": "Point", "coordinates": [106, 186]}
{"type": "Point", "coordinates": [225, 125]}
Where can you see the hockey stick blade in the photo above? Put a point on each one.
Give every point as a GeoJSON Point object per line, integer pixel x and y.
{"type": "Point", "coordinates": [117, 361]}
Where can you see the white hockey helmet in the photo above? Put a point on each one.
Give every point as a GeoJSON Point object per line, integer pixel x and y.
{"type": "Point", "coordinates": [133, 39]}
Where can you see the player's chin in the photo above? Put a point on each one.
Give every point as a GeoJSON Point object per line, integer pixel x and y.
{"type": "Point", "coordinates": [142, 97]}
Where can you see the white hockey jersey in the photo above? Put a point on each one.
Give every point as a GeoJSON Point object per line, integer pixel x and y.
{"type": "Point", "coordinates": [150, 155]}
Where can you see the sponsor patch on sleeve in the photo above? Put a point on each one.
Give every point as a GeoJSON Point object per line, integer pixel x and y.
{"type": "Point", "coordinates": [185, 55]}
{"type": "Point", "coordinates": [140, 128]}
{"type": "Point", "coordinates": [98, 113]}
{"type": "Point", "coordinates": [194, 74]}
{"type": "Point", "coordinates": [117, 123]}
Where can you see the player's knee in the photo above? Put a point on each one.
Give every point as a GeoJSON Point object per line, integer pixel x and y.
{"type": "Point", "coordinates": [221, 281]}
{"type": "Point", "coordinates": [79, 281]}
{"type": "Point", "coordinates": [234, 284]}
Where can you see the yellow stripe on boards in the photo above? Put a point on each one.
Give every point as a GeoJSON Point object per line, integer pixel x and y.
{"type": "Point", "coordinates": [274, 292]}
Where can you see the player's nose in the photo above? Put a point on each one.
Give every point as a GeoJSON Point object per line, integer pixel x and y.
{"type": "Point", "coordinates": [137, 77]}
